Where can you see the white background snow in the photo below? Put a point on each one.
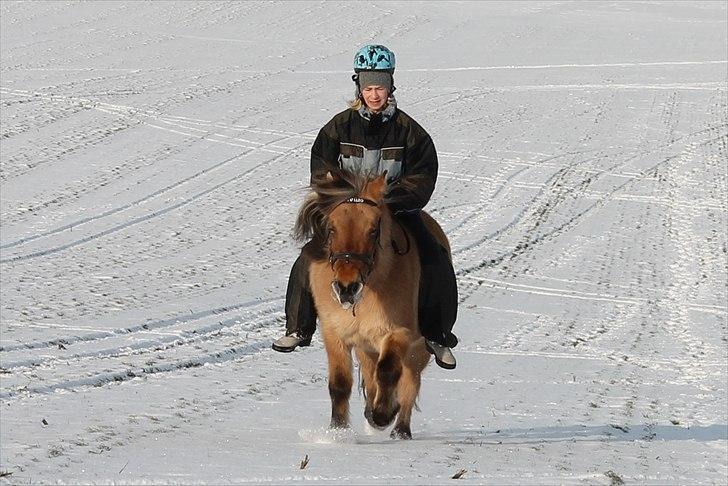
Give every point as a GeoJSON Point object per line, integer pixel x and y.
{"type": "Point", "coordinates": [153, 158]}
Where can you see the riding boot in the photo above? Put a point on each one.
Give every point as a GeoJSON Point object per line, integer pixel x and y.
{"type": "Point", "coordinates": [438, 295]}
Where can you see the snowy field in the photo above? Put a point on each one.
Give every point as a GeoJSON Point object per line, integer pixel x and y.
{"type": "Point", "coordinates": [153, 158]}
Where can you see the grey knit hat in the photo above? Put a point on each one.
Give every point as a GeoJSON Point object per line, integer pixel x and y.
{"type": "Point", "coordinates": [375, 78]}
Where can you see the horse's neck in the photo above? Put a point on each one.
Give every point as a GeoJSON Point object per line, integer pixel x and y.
{"type": "Point", "coordinates": [385, 267]}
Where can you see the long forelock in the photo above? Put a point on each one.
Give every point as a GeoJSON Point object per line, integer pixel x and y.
{"type": "Point", "coordinates": [325, 195]}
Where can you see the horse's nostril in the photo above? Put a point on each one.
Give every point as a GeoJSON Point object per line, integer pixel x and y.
{"type": "Point", "coordinates": [356, 288]}
{"type": "Point", "coordinates": [352, 289]}
{"type": "Point", "coordinates": [347, 293]}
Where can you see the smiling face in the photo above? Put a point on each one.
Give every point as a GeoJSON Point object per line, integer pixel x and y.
{"type": "Point", "coordinates": [375, 97]}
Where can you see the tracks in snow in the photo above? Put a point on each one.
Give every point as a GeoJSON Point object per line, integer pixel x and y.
{"type": "Point", "coordinates": [552, 195]}
{"type": "Point", "coordinates": [95, 358]}
{"type": "Point", "coordinates": [190, 125]}
{"type": "Point", "coordinates": [560, 190]}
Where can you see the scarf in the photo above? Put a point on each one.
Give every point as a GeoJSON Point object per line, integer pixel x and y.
{"type": "Point", "coordinates": [387, 113]}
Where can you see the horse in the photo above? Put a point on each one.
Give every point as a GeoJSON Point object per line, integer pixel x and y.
{"type": "Point", "coordinates": [365, 284]}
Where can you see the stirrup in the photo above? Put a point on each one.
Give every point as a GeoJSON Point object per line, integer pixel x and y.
{"type": "Point", "coordinates": [443, 355]}
{"type": "Point", "coordinates": [286, 344]}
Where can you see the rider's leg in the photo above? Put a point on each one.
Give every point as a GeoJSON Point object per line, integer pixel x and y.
{"type": "Point", "coordinates": [438, 296]}
{"type": "Point", "coordinates": [300, 309]}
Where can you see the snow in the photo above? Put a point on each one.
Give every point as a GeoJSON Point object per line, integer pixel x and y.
{"type": "Point", "coordinates": [153, 158]}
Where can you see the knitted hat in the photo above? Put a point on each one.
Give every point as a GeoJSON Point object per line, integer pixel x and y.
{"type": "Point", "coordinates": [375, 78]}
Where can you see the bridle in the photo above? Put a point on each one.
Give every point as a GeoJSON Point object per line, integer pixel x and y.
{"type": "Point", "coordinates": [366, 258]}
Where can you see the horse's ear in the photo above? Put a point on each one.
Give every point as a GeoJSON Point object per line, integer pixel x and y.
{"type": "Point", "coordinates": [376, 187]}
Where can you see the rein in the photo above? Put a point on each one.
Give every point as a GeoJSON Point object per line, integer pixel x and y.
{"type": "Point", "coordinates": [395, 246]}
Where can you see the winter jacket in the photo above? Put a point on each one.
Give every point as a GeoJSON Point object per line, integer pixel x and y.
{"type": "Point", "coordinates": [397, 144]}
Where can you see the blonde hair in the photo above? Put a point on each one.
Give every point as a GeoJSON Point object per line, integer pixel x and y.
{"type": "Point", "coordinates": [356, 103]}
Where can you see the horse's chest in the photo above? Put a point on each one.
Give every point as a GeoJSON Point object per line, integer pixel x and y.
{"type": "Point", "coordinates": [363, 327]}
{"type": "Point", "coordinates": [360, 332]}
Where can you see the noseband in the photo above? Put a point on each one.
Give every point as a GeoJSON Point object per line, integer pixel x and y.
{"type": "Point", "coordinates": [365, 258]}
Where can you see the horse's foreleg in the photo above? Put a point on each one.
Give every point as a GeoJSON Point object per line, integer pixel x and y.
{"type": "Point", "coordinates": [368, 364]}
{"type": "Point", "coordinates": [340, 379]}
{"type": "Point", "coordinates": [388, 373]}
{"type": "Point", "coordinates": [409, 387]}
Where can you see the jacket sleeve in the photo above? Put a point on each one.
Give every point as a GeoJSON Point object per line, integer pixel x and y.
{"type": "Point", "coordinates": [325, 151]}
{"type": "Point", "coordinates": [413, 190]}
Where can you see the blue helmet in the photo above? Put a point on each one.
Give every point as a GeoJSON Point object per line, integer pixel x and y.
{"type": "Point", "coordinates": [374, 57]}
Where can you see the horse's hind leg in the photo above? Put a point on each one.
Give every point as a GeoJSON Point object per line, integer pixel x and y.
{"type": "Point", "coordinates": [409, 387]}
{"type": "Point", "coordinates": [388, 373]}
{"type": "Point", "coordinates": [340, 379]}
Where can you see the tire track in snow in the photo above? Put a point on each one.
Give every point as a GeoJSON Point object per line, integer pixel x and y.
{"type": "Point", "coordinates": [142, 200]}
{"type": "Point", "coordinates": [177, 349]}
{"type": "Point", "coordinates": [118, 209]}
{"type": "Point", "coordinates": [580, 295]}
{"type": "Point", "coordinates": [548, 189]}
{"type": "Point", "coordinates": [133, 114]}
{"type": "Point", "coordinates": [222, 356]}
{"type": "Point", "coordinates": [63, 146]}
{"type": "Point", "coordinates": [148, 326]}
{"type": "Point", "coordinates": [511, 67]}
{"type": "Point", "coordinates": [637, 198]}
{"type": "Point", "coordinates": [141, 219]}
{"type": "Point", "coordinates": [531, 242]}
{"type": "Point", "coordinates": [130, 112]}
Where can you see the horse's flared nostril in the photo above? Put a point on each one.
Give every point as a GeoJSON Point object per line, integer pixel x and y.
{"type": "Point", "coordinates": [347, 294]}
{"type": "Point", "coordinates": [338, 288]}
{"type": "Point", "coordinates": [354, 288]}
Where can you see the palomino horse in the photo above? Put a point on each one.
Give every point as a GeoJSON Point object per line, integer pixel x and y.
{"type": "Point", "coordinates": [365, 294]}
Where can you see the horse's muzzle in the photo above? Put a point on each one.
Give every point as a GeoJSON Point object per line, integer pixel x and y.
{"type": "Point", "coordinates": [347, 295]}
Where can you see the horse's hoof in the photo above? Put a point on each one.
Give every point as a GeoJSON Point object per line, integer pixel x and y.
{"type": "Point", "coordinates": [369, 415]}
{"type": "Point", "coordinates": [380, 421]}
{"type": "Point", "coordinates": [383, 418]}
{"type": "Point", "coordinates": [401, 432]}
{"type": "Point", "coordinates": [338, 424]}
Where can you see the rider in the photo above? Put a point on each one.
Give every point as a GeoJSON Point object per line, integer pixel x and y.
{"type": "Point", "coordinates": [374, 136]}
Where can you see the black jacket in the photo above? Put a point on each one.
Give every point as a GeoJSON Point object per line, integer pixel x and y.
{"type": "Point", "coordinates": [402, 136]}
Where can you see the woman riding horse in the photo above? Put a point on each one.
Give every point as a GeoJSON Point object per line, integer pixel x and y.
{"type": "Point", "coordinates": [374, 137]}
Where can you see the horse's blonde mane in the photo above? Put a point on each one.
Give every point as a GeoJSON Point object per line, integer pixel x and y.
{"type": "Point", "coordinates": [326, 193]}
{"type": "Point", "coordinates": [329, 190]}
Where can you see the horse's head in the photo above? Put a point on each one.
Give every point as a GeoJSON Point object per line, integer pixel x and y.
{"type": "Point", "coordinates": [354, 227]}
